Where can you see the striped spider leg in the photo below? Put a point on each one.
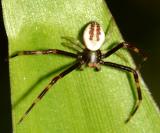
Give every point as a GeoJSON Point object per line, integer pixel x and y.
{"type": "Point", "coordinates": [128, 46]}
{"type": "Point", "coordinates": [129, 69]}
{"type": "Point", "coordinates": [136, 78]}
{"type": "Point", "coordinates": [54, 80]}
{"type": "Point", "coordinates": [43, 52]}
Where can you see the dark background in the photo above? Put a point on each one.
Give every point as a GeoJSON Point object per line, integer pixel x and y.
{"type": "Point", "coordinates": [139, 22]}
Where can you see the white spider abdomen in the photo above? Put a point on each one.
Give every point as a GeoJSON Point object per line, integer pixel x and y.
{"type": "Point", "coordinates": [93, 36]}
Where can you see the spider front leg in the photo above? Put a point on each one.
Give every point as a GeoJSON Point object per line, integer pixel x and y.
{"type": "Point", "coordinates": [45, 90]}
{"type": "Point", "coordinates": [44, 52]}
{"type": "Point", "coordinates": [128, 46]}
{"type": "Point", "coordinates": [73, 43]}
{"type": "Point", "coordinates": [136, 78]}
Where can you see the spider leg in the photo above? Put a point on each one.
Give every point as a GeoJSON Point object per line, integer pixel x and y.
{"type": "Point", "coordinates": [109, 29]}
{"type": "Point", "coordinates": [44, 91]}
{"type": "Point", "coordinates": [41, 52]}
{"type": "Point", "coordinates": [136, 78]}
{"type": "Point", "coordinates": [73, 42]}
{"type": "Point", "coordinates": [128, 46]}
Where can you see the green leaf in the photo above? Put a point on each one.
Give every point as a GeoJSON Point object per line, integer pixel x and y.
{"type": "Point", "coordinates": [83, 101]}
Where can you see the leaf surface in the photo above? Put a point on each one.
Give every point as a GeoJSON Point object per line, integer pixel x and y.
{"type": "Point", "coordinates": [83, 101]}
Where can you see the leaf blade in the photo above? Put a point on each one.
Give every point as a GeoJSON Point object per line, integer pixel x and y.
{"type": "Point", "coordinates": [71, 106]}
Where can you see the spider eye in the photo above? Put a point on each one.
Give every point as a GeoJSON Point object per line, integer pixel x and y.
{"type": "Point", "coordinates": [93, 36]}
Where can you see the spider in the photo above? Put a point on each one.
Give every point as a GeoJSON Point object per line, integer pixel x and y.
{"type": "Point", "coordinates": [91, 56]}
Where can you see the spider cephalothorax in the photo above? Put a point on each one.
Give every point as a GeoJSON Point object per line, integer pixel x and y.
{"type": "Point", "coordinates": [90, 58]}
{"type": "Point", "coordinates": [93, 39]}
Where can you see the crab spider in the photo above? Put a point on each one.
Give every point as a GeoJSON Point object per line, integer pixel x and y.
{"type": "Point", "coordinates": [91, 55]}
